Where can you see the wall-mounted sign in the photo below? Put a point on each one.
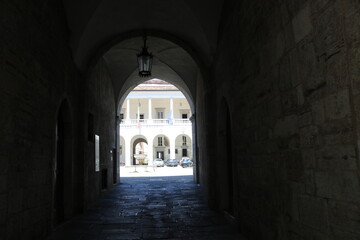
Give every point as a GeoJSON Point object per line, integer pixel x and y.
{"type": "Point", "coordinates": [97, 153]}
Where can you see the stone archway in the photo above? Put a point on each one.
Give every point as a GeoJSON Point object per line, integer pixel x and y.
{"type": "Point", "coordinates": [168, 53]}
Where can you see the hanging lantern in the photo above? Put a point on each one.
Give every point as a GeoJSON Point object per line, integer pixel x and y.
{"type": "Point", "coordinates": [144, 61]}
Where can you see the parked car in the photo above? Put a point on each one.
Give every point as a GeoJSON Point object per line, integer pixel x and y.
{"type": "Point", "coordinates": [158, 162]}
{"type": "Point", "coordinates": [166, 162]}
{"type": "Point", "coordinates": [182, 159]}
{"type": "Point", "coordinates": [172, 163]}
{"type": "Point", "coordinates": [187, 163]}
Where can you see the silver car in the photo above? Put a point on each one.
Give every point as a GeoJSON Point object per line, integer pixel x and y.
{"type": "Point", "coordinates": [158, 162]}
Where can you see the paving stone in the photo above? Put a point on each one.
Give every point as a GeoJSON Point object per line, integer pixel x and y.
{"type": "Point", "coordinates": [149, 208]}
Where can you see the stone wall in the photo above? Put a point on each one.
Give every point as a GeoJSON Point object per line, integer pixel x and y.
{"type": "Point", "coordinates": [290, 73]}
{"type": "Point", "coordinates": [202, 135]}
{"type": "Point", "coordinates": [36, 74]}
{"type": "Point", "coordinates": [100, 103]}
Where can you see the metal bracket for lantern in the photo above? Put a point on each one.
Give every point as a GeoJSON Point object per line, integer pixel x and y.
{"type": "Point", "coordinates": [144, 61]}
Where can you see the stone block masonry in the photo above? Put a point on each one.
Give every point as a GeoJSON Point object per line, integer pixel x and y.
{"type": "Point", "coordinates": [100, 102]}
{"type": "Point", "coordinates": [310, 112]}
{"type": "Point", "coordinates": [35, 64]}
{"type": "Point", "coordinates": [37, 73]}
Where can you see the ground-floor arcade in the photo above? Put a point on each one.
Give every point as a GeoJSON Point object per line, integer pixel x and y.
{"type": "Point", "coordinates": [164, 146]}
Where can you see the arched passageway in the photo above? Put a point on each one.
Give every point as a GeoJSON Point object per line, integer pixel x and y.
{"type": "Point", "coordinates": [289, 71]}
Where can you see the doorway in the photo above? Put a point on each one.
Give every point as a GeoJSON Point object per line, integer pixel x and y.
{"type": "Point", "coordinates": [229, 164]}
{"type": "Point", "coordinates": [59, 172]}
{"type": "Point", "coordinates": [225, 163]}
{"type": "Point", "coordinates": [160, 154]}
{"type": "Point", "coordinates": [63, 170]}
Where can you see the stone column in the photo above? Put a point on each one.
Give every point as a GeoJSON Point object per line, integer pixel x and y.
{"type": "Point", "coordinates": [194, 150]}
{"type": "Point", "coordinates": [128, 158]}
{"type": "Point", "coordinates": [172, 147]}
{"type": "Point", "coordinates": [171, 108]}
{"type": "Point", "coordinates": [150, 154]}
{"type": "Point", "coordinates": [128, 109]}
{"type": "Point", "coordinates": [149, 121]}
{"type": "Point", "coordinates": [150, 112]}
{"type": "Point", "coordinates": [116, 163]}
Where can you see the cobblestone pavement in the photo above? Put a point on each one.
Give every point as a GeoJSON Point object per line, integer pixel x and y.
{"type": "Point", "coordinates": [149, 208]}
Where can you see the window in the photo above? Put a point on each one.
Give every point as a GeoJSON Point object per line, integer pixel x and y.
{"type": "Point", "coordinates": [160, 141]}
{"type": "Point", "coordinates": [176, 151]}
{"type": "Point", "coordinates": [160, 115]}
{"type": "Point", "coordinates": [184, 140]}
{"type": "Point", "coordinates": [184, 116]}
{"type": "Point", "coordinates": [141, 117]}
{"type": "Point", "coordinates": [121, 116]}
{"type": "Point", "coordinates": [168, 151]}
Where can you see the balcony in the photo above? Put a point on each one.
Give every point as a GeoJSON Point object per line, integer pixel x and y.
{"type": "Point", "coordinates": [130, 123]}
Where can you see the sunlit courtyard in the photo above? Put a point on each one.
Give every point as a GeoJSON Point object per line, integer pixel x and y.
{"type": "Point", "coordinates": [150, 171]}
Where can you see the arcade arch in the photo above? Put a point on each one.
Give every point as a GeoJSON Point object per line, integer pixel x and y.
{"type": "Point", "coordinates": [130, 147]}
{"type": "Point", "coordinates": [183, 146]}
{"type": "Point", "coordinates": [161, 145]}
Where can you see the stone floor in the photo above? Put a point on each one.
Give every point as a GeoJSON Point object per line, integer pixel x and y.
{"type": "Point", "coordinates": [149, 208]}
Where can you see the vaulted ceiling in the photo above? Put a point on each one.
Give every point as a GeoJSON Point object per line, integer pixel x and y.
{"type": "Point", "coordinates": [182, 36]}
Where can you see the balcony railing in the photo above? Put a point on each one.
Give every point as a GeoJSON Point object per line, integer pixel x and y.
{"type": "Point", "coordinates": [153, 122]}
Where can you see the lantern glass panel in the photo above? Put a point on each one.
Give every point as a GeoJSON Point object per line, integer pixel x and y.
{"type": "Point", "coordinates": [146, 63]}
{"type": "Point", "coordinates": [141, 63]}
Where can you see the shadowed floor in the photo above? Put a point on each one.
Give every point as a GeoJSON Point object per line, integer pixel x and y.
{"type": "Point", "coordinates": [149, 208]}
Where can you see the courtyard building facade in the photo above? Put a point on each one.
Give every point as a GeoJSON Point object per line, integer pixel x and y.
{"type": "Point", "coordinates": [155, 123]}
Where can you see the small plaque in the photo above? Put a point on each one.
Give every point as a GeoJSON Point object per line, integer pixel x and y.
{"type": "Point", "coordinates": [97, 153]}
